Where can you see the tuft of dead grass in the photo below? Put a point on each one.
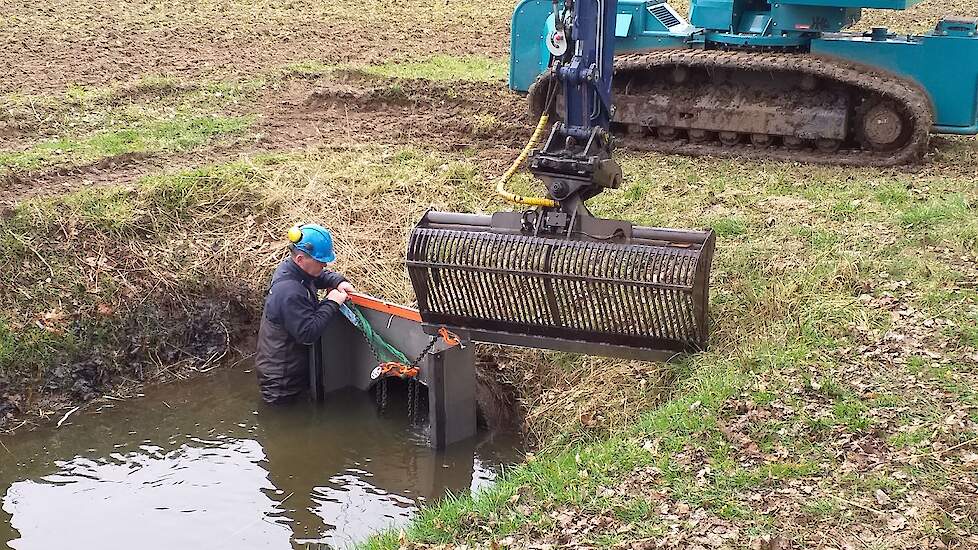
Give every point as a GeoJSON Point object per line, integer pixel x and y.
{"type": "Point", "coordinates": [564, 397]}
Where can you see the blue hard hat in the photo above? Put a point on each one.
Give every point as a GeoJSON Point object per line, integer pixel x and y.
{"type": "Point", "coordinates": [314, 241]}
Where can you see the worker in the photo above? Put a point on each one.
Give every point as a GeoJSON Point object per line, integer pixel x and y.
{"type": "Point", "coordinates": [294, 318]}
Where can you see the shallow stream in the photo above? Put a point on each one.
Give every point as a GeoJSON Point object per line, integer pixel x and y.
{"type": "Point", "coordinates": [204, 464]}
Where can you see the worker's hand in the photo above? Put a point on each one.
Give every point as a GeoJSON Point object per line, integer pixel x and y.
{"type": "Point", "coordinates": [337, 296]}
{"type": "Point", "coordinates": [346, 286]}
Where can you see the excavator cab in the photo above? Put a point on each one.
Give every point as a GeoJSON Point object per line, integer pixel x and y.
{"type": "Point", "coordinates": [554, 276]}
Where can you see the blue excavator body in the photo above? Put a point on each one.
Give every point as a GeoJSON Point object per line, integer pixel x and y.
{"type": "Point", "coordinates": [943, 63]}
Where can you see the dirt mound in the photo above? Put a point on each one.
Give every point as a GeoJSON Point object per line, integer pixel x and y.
{"type": "Point", "coordinates": [445, 116]}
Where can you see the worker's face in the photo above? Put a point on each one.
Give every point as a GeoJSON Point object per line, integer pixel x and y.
{"type": "Point", "coordinates": [310, 266]}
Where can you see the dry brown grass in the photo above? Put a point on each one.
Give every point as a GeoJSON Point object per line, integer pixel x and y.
{"type": "Point", "coordinates": [563, 396]}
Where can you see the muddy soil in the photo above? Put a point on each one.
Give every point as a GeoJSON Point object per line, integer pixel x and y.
{"type": "Point", "coordinates": [344, 110]}
{"type": "Point", "coordinates": [157, 343]}
{"type": "Point", "coordinates": [364, 111]}
{"type": "Point", "coordinates": [49, 44]}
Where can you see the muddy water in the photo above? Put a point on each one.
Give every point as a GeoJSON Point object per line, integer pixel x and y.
{"type": "Point", "coordinates": [205, 465]}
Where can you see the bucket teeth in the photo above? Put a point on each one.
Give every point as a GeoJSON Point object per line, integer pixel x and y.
{"type": "Point", "coordinates": [645, 299]}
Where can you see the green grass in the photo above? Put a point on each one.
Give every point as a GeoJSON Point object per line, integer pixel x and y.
{"type": "Point", "coordinates": [444, 67]}
{"type": "Point", "coordinates": [143, 138]}
{"type": "Point", "coordinates": [969, 335]}
{"type": "Point", "coordinates": [306, 69]}
{"type": "Point", "coordinates": [822, 507]}
{"type": "Point", "coordinates": [470, 68]}
{"type": "Point", "coordinates": [33, 348]}
{"type": "Point", "coordinates": [792, 261]}
{"type": "Point", "coordinates": [936, 211]}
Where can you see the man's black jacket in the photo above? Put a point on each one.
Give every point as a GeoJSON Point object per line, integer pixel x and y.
{"type": "Point", "coordinates": [293, 319]}
{"type": "Point", "coordinates": [292, 303]}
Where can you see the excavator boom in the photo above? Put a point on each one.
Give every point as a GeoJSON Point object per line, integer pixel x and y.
{"type": "Point", "coordinates": [554, 276]}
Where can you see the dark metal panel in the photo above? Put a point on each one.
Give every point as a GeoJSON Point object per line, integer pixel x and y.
{"type": "Point", "coordinates": [342, 358]}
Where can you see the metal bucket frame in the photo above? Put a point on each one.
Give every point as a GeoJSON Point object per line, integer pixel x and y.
{"type": "Point", "coordinates": [485, 278]}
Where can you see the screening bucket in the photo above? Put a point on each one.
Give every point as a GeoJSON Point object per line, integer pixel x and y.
{"type": "Point", "coordinates": [644, 298]}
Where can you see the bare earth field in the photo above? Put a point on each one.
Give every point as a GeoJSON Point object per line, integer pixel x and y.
{"type": "Point", "coordinates": [52, 44]}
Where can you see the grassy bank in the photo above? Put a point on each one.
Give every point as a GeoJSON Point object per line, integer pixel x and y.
{"type": "Point", "coordinates": [105, 284]}
{"type": "Point", "coordinates": [105, 289]}
{"type": "Point", "coordinates": [839, 389]}
{"type": "Point", "coordinates": [836, 406]}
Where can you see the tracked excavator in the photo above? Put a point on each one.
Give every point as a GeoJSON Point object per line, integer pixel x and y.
{"type": "Point", "coordinates": [552, 275]}
{"type": "Point", "coordinates": [779, 79]}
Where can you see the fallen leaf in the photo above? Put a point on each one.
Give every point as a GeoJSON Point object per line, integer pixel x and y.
{"type": "Point", "coordinates": [881, 497]}
{"type": "Point", "coordinates": [896, 523]}
{"type": "Point", "coordinates": [54, 315]}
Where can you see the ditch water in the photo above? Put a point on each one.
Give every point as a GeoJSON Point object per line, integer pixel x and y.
{"type": "Point", "coordinates": [204, 464]}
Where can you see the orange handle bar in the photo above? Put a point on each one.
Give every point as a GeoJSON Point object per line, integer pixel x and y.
{"type": "Point", "coordinates": [376, 304]}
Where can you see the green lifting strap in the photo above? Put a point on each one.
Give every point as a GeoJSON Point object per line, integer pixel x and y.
{"type": "Point", "coordinates": [377, 343]}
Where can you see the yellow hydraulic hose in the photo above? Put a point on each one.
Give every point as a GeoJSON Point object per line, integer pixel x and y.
{"type": "Point", "coordinates": [504, 179]}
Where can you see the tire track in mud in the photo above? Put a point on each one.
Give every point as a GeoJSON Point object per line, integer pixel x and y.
{"type": "Point", "coordinates": [364, 110]}
{"type": "Point", "coordinates": [346, 112]}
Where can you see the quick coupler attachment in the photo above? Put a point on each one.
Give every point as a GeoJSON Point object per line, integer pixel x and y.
{"type": "Point", "coordinates": [641, 297]}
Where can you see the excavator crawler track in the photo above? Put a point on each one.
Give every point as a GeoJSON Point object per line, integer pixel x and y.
{"type": "Point", "coordinates": [763, 105]}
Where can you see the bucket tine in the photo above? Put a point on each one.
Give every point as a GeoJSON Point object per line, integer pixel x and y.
{"type": "Point", "coordinates": [643, 297]}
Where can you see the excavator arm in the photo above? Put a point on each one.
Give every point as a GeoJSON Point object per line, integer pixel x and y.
{"type": "Point", "coordinates": [576, 161]}
{"type": "Point", "coordinates": [554, 276]}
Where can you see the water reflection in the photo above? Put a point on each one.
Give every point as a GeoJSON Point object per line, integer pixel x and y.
{"type": "Point", "coordinates": [205, 464]}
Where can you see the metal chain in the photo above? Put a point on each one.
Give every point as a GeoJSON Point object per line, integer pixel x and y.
{"type": "Point", "coordinates": [424, 353]}
{"type": "Point", "coordinates": [370, 344]}
{"type": "Point", "coordinates": [383, 395]}
{"type": "Point", "coordinates": [410, 400]}
{"type": "Point", "coordinates": [412, 389]}
{"type": "Point", "coordinates": [418, 412]}
{"type": "Point", "coordinates": [415, 397]}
